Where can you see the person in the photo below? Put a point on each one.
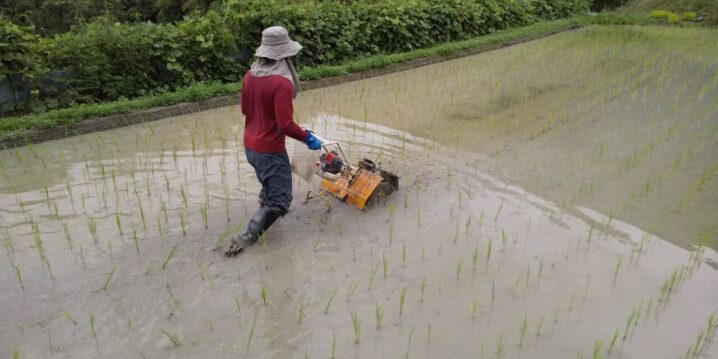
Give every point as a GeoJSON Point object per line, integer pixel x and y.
{"type": "Point", "coordinates": [268, 89]}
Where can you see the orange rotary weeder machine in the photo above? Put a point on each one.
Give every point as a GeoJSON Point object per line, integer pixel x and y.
{"type": "Point", "coordinates": [361, 185]}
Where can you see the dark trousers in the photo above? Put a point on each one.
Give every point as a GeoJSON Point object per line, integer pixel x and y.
{"type": "Point", "coordinates": [275, 174]}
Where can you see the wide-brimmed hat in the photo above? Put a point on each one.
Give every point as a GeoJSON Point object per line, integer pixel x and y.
{"type": "Point", "coordinates": [276, 44]}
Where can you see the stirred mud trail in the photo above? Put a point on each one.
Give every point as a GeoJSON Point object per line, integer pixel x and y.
{"type": "Point", "coordinates": [523, 226]}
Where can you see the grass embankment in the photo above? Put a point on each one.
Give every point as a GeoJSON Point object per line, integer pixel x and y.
{"type": "Point", "coordinates": [13, 128]}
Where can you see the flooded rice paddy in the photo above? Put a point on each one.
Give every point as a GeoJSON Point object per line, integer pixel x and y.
{"type": "Point", "coordinates": [558, 200]}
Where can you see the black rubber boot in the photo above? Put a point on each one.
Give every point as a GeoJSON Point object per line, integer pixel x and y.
{"type": "Point", "coordinates": [259, 224]}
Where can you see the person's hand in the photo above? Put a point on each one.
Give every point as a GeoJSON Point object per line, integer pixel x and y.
{"type": "Point", "coordinates": [312, 142]}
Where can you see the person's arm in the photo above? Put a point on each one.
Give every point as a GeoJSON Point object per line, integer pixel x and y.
{"type": "Point", "coordinates": [283, 111]}
{"type": "Point", "coordinates": [242, 97]}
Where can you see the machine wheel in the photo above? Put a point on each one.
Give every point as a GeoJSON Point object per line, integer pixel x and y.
{"type": "Point", "coordinates": [367, 164]}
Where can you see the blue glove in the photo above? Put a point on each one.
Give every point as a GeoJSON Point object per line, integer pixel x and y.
{"type": "Point", "coordinates": [312, 142]}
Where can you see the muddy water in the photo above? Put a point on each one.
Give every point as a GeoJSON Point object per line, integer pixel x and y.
{"type": "Point", "coordinates": [478, 243]}
{"type": "Point", "coordinates": [622, 120]}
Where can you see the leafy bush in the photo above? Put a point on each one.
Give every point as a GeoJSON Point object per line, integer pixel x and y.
{"type": "Point", "coordinates": [661, 14]}
{"type": "Point", "coordinates": [331, 32]}
{"type": "Point", "coordinates": [607, 4]}
{"type": "Point", "coordinates": [111, 60]}
{"type": "Point", "coordinates": [554, 9]}
{"type": "Point", "coordinates": [19, 60]}
{"type": "Point", "coordinates": [670, 16]}
{"type": "Point", "coordinates": [689, 16]}
{"type": "Point", "coordinates": [208, 49]}
{"type": "Point", "coordinates": [673, 18]}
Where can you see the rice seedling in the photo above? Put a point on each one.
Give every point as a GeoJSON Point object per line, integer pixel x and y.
{"type": "Point", "coordinates": [588, 284]}
{"type": "Point", "coordinates": [92, 326]}
{"type": "Point", "coordinates": [40, 248]}
{"type": "Point", "coordinates": [82, 258]}
{"type": "Point", "coordinates": [92, 227]}
{"type": "Point", "coordinates": [118, 223]}
{"type": "Point", "coordinates": [251, 332]}
{"type": "Point", "coordinates": [474, 307]}
{"type": "Point", "coordinates": [613, 341]}
{"type": "Point", "coordinates": [135, 239]}
{"type": "Point", "coordinates": [488, 251]}
{"type": "Point", "coordinates": [372, 274]}
{"type": "Point", "coordinates": [408, 343]}
{"type": "Point", "coordinates": [418, 217]}
{"type": "Point", "coordinates": [356, 325]}
{"type": "Point", "coordinates": [458, 269]}
{"type": "Point", "coordinates": [423, 286]}
{"type": "Point", "coordinates": [402, 298]}
{"type": "Point", "coordinates": [619, 262]}
{"type": "Point", "coordinates": [378, 315]}
{"type": "Point", "coordinates": [351, 290]}
{"type": "Point", "coordinates": [300, 315]}
{"type": "Point", "coordinates": [528, 276]}
{"type": "Point", "coordinates": [182, 223]}
{"type": "Point", "coordinates": [522, 330]}
{"type": "Point", "coordinates": [226, 200]}
{"type": "Point", "coordinates": [334, 346]}
{"type": "Point", "coordinates": [631, 318]}
{"type": "Point", "coordinates": [169, 257]}
{"type": "Point", "coordinates": [597, 349]}
{"type": "Point", "coordinates": [203, 215]}
{"type": "Point", "coordinates": [493, 292]}
{"type": "Point", "coordinates": [498, 211]}
{"type": "Point", "coordinates": [185, 200]}
{"type": "Point", "coordinates": [263, 293]}
{"type": "Point", "coordinates": [390, 212]}
{"type": "Point", "coordinates": [106, 284]}
{"type": "Point", "coordinates": [403, 254]}
{"type": "Point", "coordinates": [69, 316]}
{"type": "Point", "coordinates": [704, 338]}
{"type": "Point", "coordinates": [428, 333]}
{"type": "Point", "coordinates": [539, 326]}
{"type": "Point", "coordinates": [474, 258]}
{"type": "Point", "coordinates": [385, 263]}
{"type": "Point", "coordinates": [331, 298]}
{"type": "Point", "coordinates": [316, 242]}
{"type": "Point", "coordinates": [18, 274]}
{"type": "Point", "coordinates": [172, 336]}
{"type": "Point", "coordinates": [500, 346]}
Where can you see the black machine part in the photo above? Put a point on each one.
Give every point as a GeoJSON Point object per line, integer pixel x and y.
{"type": "Point", "coordinates": [331, 162]}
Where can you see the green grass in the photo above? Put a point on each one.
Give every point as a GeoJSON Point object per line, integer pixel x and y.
{"type": "Point", "coordinates": [14, 127]}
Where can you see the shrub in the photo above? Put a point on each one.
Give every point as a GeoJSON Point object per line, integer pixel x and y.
{"type": "Point", "coordinates": [18, 58]}
{"type": "Point", "coordinates": [660, 14]}
{"type": "Point", "coordinates": [110, 60]}
{"type": "Point", "coordinates": [689, 16]}
{"type": "Point", "coordinates": [673, 18]}
{"type": "Point", "coordinates": [208, 49]}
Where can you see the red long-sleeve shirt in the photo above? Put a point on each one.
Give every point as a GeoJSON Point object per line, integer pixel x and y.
{"type": "Point", "coordinates": [267, 107]}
